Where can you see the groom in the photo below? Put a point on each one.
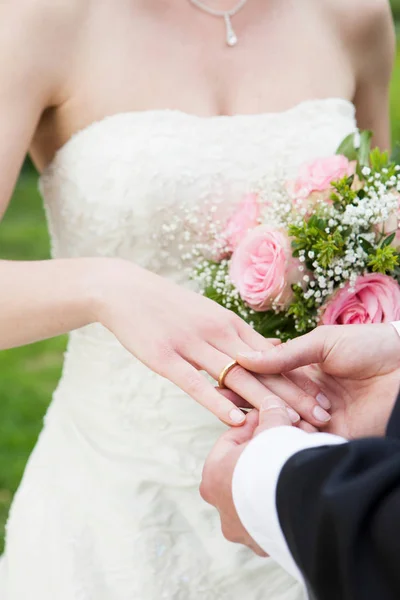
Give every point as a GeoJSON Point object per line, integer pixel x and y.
{"type": "Point", "coordinates": [326, 509]}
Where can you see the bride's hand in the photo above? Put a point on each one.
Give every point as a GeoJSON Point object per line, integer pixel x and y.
{"type": "Point", "coordinates": [177, 333]}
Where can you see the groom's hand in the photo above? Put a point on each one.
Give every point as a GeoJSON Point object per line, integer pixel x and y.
{"type": "Point", "coordinates": [358, 369]}
{"type": "Point", "coordinates": [216, 485]}
{"type": "Point", "coordinates": [352, 351]}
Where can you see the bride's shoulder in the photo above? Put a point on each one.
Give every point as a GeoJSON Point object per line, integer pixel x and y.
{"type": "Point", "coordinates": [41, 31]}
{"type": "Point", "coordinates": [361, 10]}
{"type": "Point", "coordinates": [38, 16]}
{"type": "Point", "coordinates": [41, 37]}
{"type": "Point", "coordinates": [362, 21]}
{"type": "Point", "coordinates": [366, 29]}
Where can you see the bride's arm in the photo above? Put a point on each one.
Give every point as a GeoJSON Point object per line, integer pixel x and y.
{"type": "Point", "coordinates": [373, 45]}
{"type": "Point", "coordinates": [43, 299]}
{"type": "Point", "coordinates": [173, 331]}
{"type": "Point", "coordinates": [37, 299]}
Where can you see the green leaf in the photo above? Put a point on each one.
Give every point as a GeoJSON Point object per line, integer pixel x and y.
{"type": "Point", "coordinates": [388, 240]}
{"type": "Point", "coordinates": [327, 250]}
{"type": "Point", "coordinates": [378, 159]}
{"type": "Point", "coordinates": [312, 221]}
{"type": "Point", "coordinates": [268, 323]}
{"type": "Point", "coordinates": [384, 260]}
{"type": "Point", "coordinates": [344, 195]}
{"type": "Point", "coordinates": [347, 147]}
{"type": "Point", "coordinates": [365, 148]}
{"type": "Point", "coordinates": [366, 245]}
{"type": "Point", "coordinates": [321, 224]}
{"type": "Point", "coordinates": [396, 153]}
{"type": "Point", "coordinates": [361, 154]}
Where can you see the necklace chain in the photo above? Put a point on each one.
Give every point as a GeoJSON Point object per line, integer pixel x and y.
{"type": "Point", "coordinates": [219, 13]}
{"type": "Point", "coordinates": [231, 37]}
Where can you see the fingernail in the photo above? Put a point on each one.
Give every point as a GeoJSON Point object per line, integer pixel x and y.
{"type": "Point", "coordinates": [321, 415]}
{"type": "Point", "coordinates": [293, 415]}
{"type": "Point", "coordinates": [251, 355]}
{"type": "Point", "coordinates": [237, 416]}
{"type": "Point", "coordinates": [323, 401]}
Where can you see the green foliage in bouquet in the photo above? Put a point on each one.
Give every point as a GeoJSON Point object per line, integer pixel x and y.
{"type": "Point", "coordinates": [315, 239]}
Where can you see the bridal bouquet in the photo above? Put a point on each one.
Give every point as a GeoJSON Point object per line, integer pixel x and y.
{"type": "Point", "coordinates": [326, 251]}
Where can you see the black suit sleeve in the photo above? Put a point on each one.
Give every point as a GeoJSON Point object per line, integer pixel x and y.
{"type": "Point", "coordinates": [339, 509]}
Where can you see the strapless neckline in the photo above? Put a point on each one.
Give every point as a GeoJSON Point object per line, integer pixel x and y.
{"type": "Point", "coordinates": [169, 113]}
{"type": "Point", "coordinates": [116, 185]}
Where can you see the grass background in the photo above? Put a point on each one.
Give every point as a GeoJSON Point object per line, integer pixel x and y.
{"type": "Point", "coordinates": [29, 375]}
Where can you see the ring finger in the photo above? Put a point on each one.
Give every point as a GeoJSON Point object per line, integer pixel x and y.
{"type": "Point", "coordinates": [294, 396]}
{"type": "Point", "coordinates": [240, 381]}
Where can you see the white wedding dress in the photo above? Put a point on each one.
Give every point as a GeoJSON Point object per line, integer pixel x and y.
{"type": "Point", "coordinates": [109, 508]}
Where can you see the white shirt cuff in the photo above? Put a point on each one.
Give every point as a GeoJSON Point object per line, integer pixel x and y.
{"type": "Point", "coordinates": [396, 325]}
{"type": "Point", "coordinates": [254, 484]}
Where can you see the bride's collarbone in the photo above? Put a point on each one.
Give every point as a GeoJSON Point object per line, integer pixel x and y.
{"type": "Point", "coordinates": [218, 81]}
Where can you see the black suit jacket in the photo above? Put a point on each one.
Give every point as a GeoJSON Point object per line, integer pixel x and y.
{"type": "Point", "coordinates": [339, 509]}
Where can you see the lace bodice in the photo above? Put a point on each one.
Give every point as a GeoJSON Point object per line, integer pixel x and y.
{"type": "Point", "coordinates": [114, 188]}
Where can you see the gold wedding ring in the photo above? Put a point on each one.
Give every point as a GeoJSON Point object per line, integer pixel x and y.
{"type": "Point", "coordinates": [224, 373]}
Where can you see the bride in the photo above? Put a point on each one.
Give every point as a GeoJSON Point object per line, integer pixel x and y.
{"type": "Point", "coordinates": [139, 113]}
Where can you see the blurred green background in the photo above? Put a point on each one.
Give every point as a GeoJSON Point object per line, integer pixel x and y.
{"type": "Point", "coordinates": [29, 375]}
{"type": "Point", "coordinates": [396, 9]}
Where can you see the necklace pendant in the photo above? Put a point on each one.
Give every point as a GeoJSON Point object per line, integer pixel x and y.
{"type": "Point", "coordinates": [231, 37]}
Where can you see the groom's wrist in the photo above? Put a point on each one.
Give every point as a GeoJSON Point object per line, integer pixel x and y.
{"type": "Point", "coordinates": [255, 481]}
{"type": "Point", "coordinates": [396, 325]}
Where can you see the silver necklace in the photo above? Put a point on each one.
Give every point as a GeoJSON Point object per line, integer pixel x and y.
{"type": "Point", "coordinates": [231, 37]}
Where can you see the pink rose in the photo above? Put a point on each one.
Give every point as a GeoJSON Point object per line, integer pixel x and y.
{"type": "Point", "coordinates": [244, 219]}
{"type": "Point", "coordinates": [263, 269]}
{"type": "Point", "coordinates": [318, 175]}
{"type": "Point", "coordinates": [374, 299]}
